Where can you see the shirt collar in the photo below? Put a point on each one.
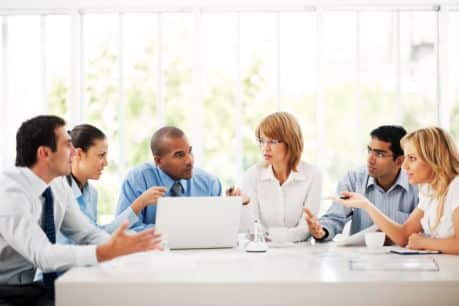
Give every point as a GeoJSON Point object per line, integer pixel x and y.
{"type": "Point", "coordinates": [168, 181]}
{"type": "Point", "coordinates": [76, 190]}
{"type": "Point", "coordinates": [267, 173]}
{"type": "Point", "coordinates": [402, 181]}
{"type": "Point", "coordinates": [36, 184]}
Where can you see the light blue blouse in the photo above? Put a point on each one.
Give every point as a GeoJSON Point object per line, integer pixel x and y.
{"type": "Point", "coordinates": [87, 200]}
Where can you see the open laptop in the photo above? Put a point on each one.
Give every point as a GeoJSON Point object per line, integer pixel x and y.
{"type": "Point", "coordinates": [199, 222]}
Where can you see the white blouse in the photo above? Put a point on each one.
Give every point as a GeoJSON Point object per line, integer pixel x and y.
{"type": "Point", "coordinates": [276, 205]}
{"type": "Point", "coordinates": [445, 228]}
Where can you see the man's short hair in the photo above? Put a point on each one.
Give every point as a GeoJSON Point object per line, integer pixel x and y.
{"type": "Point", "coordinates": [157, 140]}
{"type": "Point", "coordinates": [392, 134]}
{"type": "Point", "coordinates": [34, 133]}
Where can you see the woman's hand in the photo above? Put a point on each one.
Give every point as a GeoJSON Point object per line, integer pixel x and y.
{"type": "Point", "coordinates": [148, 197]}
{"type": "Point", "coordinates": [236, 192]}
{"type": "Point", "coordinates": [351, 200]}
{"type": "Point", "coordinates": [416, 242]}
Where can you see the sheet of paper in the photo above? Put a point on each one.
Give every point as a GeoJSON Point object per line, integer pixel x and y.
{"type": "Point", "coordinates": [385, 263]}
{"type": "Point", "coordinates": [358, 239]}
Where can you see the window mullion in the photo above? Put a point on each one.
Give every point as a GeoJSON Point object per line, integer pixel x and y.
{"type": "Point", "coordinates": [441, 47]}
{"type": "Point", "coordinates": [196, 103]}
{"type": "Point", "coordinates": [278, 62]}
{"type": "Point", "coordinates": [358, 93]}
{"type": "Point", "coordinates": [159, 72]}
{"type": "Point", "coordinates": [239, 103]}
{"type": "Point", "coordinates": [76, 69]}
{"type": "Point", "coordinates": [320, 107]}
{"type": "Point", "coordinates": [398, 72]}
{"type": "Point", "coordinates": [43, 64]}
{"type": "Point", "coordinates": [121, 100]}
{"type": "Point", "coordinates": [5, 157]}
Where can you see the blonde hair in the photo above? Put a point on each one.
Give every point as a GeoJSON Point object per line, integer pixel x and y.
{"type": "Point", "coordinates": [437, 148]}
{"type": "Point", "coordinates": [284, 127]}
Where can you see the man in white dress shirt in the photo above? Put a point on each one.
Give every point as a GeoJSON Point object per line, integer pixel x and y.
{"type": "Point", "coordinates": [35, 203]}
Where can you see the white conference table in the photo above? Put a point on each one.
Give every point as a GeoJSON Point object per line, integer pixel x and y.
{"type": "Point", "coordinates": [306, 274]}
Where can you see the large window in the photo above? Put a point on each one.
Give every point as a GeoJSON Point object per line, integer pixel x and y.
{"type": "Point", "coordinates": [216, 74]}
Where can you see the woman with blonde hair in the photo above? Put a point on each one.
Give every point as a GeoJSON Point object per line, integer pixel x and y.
{"type": "Point", "coordinates": [432, 161]}
{"type": "Point", "coordinates": [280, 187]}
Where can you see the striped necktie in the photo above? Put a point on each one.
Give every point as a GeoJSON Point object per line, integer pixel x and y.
{"type": "Point", "coordinates": [50, 230]}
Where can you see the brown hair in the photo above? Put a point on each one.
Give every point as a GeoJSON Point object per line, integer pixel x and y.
{"type": "Point", "coordinates": [284, 127]}
{"type": "Point", "coordinates": [437, 148]}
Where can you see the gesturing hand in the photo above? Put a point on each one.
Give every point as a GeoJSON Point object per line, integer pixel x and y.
{"type": "Point", "coordinates": [152, 194]}
{"type": "Point", "coordinates": [236, 192]}
{"type": "Point", "coordinates": [315, 228]}
{"type": "Point", "coordinates": [148, 197]}
{"type": "Point", "coordinates": [351, 200]}
{"type": "Point", "coordinates": [123, 243]}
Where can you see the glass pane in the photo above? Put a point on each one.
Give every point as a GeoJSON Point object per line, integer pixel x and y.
{"type": "Point", "coordinates": [220, 145]}
{"type": "Point", "coordinates": [298, 48]}
{"type": "Point", "coordinates": [58, 57]}
{"type": "Point", "coordinates": [24, 75]}
{"type": "Point", "coordinates": [418, 64]}
{"type": "Point", "coordinates": [258, 75]}
{"type": "Point", "coordinates": [140, 56]}
{"type": "Point", "coordinates": [177, 44]}
{"type": "Point", "coordinates": [378, 79]}
{"type": "Point", "coordinates": [4, 159]}
{"type": "Point", "coordinates": [453, 66]}
{"type": "Point", "coordinates": [338, 96]}
{"type": "Point", "coordinates": [101, 97]}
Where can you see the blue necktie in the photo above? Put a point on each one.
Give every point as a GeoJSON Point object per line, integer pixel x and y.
{"type": "Point", "coordinates": [50, 230]}
{"type": "Point", "coordinates": [176, 189]}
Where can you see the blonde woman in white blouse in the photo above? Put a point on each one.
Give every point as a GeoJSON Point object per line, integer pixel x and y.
{"type": "Point", "coordinates": [280, 187]}
{"type": "Point", "coordinates": [431, 160]}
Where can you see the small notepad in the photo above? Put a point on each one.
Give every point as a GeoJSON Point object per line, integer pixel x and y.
{"type": "Point", "coordinates": [404, 251]}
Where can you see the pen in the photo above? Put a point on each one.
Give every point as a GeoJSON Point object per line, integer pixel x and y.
{"type": "Point", "coordinates": [341, 197]}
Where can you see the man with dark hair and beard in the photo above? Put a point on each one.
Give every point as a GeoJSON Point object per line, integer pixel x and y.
{"type": "Point", "coordinates": [382, 180]}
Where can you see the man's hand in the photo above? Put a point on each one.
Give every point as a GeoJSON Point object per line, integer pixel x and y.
{"type": "Point", "coordinates": [315, 228]}
{"type": "Point", "coordinates": [148, 197]}
{"type": "Point", "coordinates": [236, 192]}
{"type": "Point", "coordinates": [123, 243]}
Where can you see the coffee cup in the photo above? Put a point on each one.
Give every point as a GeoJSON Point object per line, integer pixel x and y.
{"type": "Point", "coordinates": [374, 240]}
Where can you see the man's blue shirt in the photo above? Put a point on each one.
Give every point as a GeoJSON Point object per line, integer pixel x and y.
{"type": "Point", "coordinates": [148, 175]}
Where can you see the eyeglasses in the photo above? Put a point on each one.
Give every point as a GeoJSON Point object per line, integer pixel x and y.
{"type": "Point", "coordinates": [378, 153]}
{"type": "Point", "coordinates": [272, 142]}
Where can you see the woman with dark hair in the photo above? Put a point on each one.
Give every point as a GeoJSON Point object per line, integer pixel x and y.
{"type": "Point", "coordinates": [88, 163]}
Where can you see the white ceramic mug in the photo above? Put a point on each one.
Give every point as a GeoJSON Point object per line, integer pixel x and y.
{"type": "Point", "coordinates": [278, 234]}
{"type": "Point", "coordinates": [375, 240]}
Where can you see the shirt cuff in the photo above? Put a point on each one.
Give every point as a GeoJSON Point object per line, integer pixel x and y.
{"type": "Point", "coordinates": [325, 236]}
{"type": "Point", "coordinates": [86, 255]}
{"type": "Point", "coordinates": [130, 215]}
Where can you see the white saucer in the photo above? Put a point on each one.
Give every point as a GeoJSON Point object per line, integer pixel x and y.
{"type": "Point", "coordinates": [256, 247]}
{"type": "Point", "coordinates": [281, 244]}
{"type": "Point", "coordinates": [374, 251]}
